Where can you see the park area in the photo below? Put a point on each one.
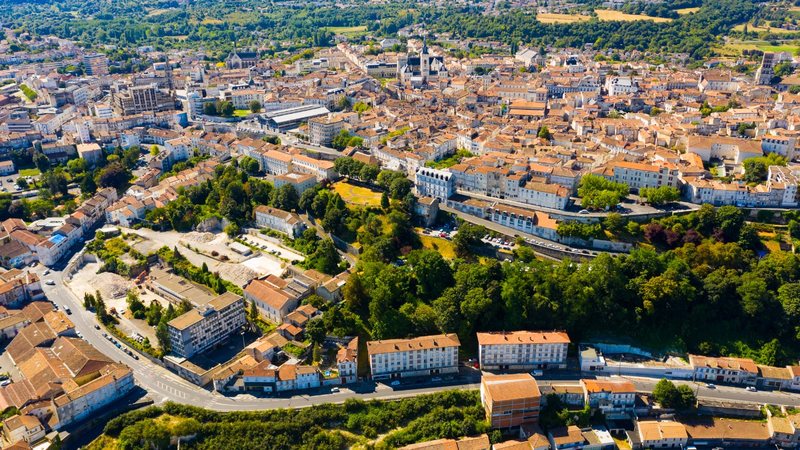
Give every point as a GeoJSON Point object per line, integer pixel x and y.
{"type": "Point", "coordinates": [357, 195]}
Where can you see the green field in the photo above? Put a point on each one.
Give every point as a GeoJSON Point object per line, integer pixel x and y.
{"type": "Point", "coordinates": [735, 48]}
{"type": "Point", "coordinates": [29, 172]}
{"type": "Point", "coordinates": [348, 31]}
{"type": "Point", "coordinates": [443, 246]}
{"type": "Point", "coordinates": [357, 195]}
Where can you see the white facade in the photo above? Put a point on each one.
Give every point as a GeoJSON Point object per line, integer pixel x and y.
{"type": "Point", "coordinates": [434, 183]}
{"type": "Point", "coordinates": [519, 350]}
{"type": "Point", "coordinates": [426, 355]}
{"type": "Point", "coordinates": [198, 330]}
{"type": "Point", "coordinates": [278, 220]}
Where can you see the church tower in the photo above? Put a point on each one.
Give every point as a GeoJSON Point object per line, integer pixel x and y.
{"type": "Point", "coordinates": [425, 59]}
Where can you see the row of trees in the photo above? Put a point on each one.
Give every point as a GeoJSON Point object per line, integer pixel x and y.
{"type": "Point", "coordinates": [450, 414]}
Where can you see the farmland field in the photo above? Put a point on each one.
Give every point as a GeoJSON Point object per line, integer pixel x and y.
{"type": "Point", "coordinates": [754, 29]}
{"type": "Point", "coordinates": [560, 18]}
{"type": "Point", "coordinates": [610, 14]}
{"type": "Point", "coordinates": [357, 195]}
{"type": "Point", "coordinates": [735, 48]}
{"type": "Point", "coordinates": [684, 11]}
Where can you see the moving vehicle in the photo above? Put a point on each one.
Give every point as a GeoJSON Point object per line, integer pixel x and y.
{"type": "Point", "coordinates": [96, 326]}
{"type": "Point", "coordinates": [710, 386]}
{"type": "Point", "coordinates": [67, 310]}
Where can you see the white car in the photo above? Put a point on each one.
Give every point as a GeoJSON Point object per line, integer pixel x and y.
{"type": "Point", "coordinates": [49, 282]}
{"type": "Point", "coordinates": [5, 382]}
{"type": "Point", "coordinates": [750, 389]}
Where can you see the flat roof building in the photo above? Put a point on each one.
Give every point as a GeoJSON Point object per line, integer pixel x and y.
{"type": "Point", "coordinates": [208, 326]}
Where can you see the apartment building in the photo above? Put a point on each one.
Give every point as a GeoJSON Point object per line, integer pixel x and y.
{"type": "Point", "coordinates": [276, 297]}
{"type": "Point", "coordinates": [728, 149]}
{"type": "Point", "coordinates": [95, 64]}
{"type": "Point", "coordinates": [724, 369]}
{"type": "Point", "coordinates": [546, 195]}
{"type": "Point", "coordinates": [114, 382]}
{"type": "Point", "coordinates": [612, 396]}
{"type": "Point", "coordinates": [435, 183]}
{"type": "Point", "coordinates": [279, 220]}
{"type": "Point", "coordinates": [347, 361]}
{"type": "Point", "coordinates": [640, 175]}
{"type": "Point", "coordinates": [510, 400]}
{"type": "Point", "coordinates": [139, 99]}
{"type": "Point", "coordinates": [420, 356]}
{"type": "Point", "coordinates": [322, 130]}
{"type": "Point", "coordinates": [208, 326]}
{"type": "Point", "coordinates": [323, 170]}
{"type": "Point", "coordinates": [22, 428]}
{"type": "Point", "coordinates": [659, 434]}
{"type": "Point", "coordinates": [523, 350]}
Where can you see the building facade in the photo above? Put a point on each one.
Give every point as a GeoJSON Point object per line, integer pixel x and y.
{"type": "Point", "coordinates": [425, 355]}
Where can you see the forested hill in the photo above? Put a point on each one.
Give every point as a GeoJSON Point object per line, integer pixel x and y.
{"type": "Point", "coordinates": [213, 24]}
{"type": "Point", "coordinates": [691, 34]}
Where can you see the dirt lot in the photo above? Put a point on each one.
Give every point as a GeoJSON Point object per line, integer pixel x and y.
{"type": "Point", "coordinates": [238, 269]}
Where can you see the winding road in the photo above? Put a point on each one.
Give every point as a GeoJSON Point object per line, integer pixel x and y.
{"type": "Point", "coordinates": [163, 385]}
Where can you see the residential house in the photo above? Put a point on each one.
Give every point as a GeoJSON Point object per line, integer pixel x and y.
{"type": "Point", "coordinates": [510, 400]}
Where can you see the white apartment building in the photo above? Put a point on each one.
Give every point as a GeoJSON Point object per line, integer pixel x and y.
{"type": "Point", "coordinates": [621, 86]}
{"type": "Point", "coordinates": [420, 356]}
{"type": "Point", "coordinates": [661, 434]}
{"type": "Point", "coordinates": [522, 350]}
{"type": "Point", "coordinates": [278, 220]}
{"type": "Point", "coordinates": [323, 170]}
{"type": "Point", "coordinates": [724, 369]}
{"type": "Point", "coordinates": [434, 183]}
{"type": "Point", "coordinates": [547, 195]}
{"type": "Point", "coordinates": [729, 149]}
{"type": "Point", "coordinates": [114, 382]}
{"type": "Point", "coordinates": [639, 175]}
{"type": "Point", "coordinates": [781, 145]}
{"type": "Point", "coordinates": [612, 396]}
{"type": "Point", "coordinates": [322, 130]}
{"type": "Point", "coordinates": [201, 329]}
{"type": "Point", "coordinates": [274, 162]}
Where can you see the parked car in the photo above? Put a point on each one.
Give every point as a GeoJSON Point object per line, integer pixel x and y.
{"type": "Point", "coordinates": [583, 211]}
{"type": "Point", "coordinates": [5, 382]}
{"type": "Point", "coordinates": [395, 383]}
{"type": "Point", "coordinates": [47, 272]}
{"type": "Point", "coordinates": [335, 390]}
{"type": "Point", "coordinates": [49, 282]}
{"type": "Point", "coordinates": [750, 389]}
{"type": "Point", "coordinates": [536, 373]}
{"type": "Point", "coordinates": [96, 326]}
{"type": "Point", "coordinates": [710, 386]}
{"type": "Point", "coordinates": [67, 310]}
{"type": "Point", "coordinates": [436, 379]}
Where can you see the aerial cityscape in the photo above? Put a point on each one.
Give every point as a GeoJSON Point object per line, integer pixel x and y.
{"type": "Point", "coordinates": [386, 224]}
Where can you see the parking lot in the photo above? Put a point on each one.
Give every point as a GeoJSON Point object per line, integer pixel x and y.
{"type": "Point", "coordinates": [8, 183]}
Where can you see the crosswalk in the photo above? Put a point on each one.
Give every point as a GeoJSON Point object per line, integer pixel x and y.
{"type": "Point", "coordinates": [171, 390]}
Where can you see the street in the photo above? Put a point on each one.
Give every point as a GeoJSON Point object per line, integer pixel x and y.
{"type": "Point", "coordinates": [163, 385]}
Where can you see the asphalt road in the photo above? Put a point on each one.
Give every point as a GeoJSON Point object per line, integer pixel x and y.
{"type": "Point", "coordinates": [163, 385]}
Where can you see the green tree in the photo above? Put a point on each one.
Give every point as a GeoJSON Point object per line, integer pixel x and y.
{"type": "Point", "coordinates": [544, 133]}
{"type": "Point", "coordinates": [660, 195]}
{"type": "Point", "coordinates": [285, 198]}
{"type": "Point", "coordinates": [162, 334]}
{"type": "Point", "coordinates": [255, 106]}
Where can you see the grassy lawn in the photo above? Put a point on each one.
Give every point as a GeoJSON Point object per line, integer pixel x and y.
{"type": "Point", "coordinates": [443, 246]}
{"type": "Point", "coordinates": [29, 172]}
{"type": "Point", "coordinates": [610, 15]}
{"type": "Point", "coordinates": [357, 195]}
{"type": "Point", "coordinates": [684, 11]}
{"type": "Point", "coordinates": [735, 48]}
{"type": "Point", "coordinates": [754, 29]}
{"type": "Point", "coordinates": [348, 31]}
{"type": "Point", "coordinates": [241, 113]}
{"type": "Point", "coordinates": [561, 18]}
